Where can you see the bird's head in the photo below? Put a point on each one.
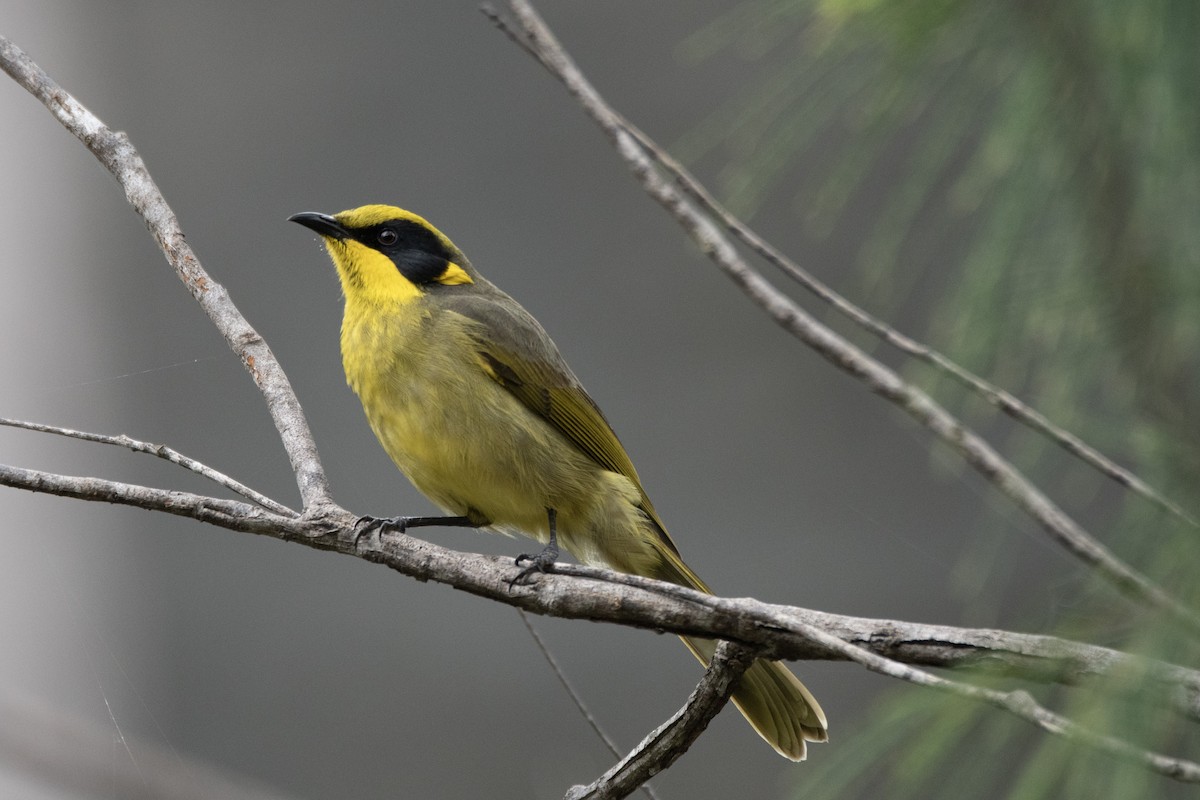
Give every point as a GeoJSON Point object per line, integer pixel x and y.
{"type": "Point", "coordinates": [386, 254]}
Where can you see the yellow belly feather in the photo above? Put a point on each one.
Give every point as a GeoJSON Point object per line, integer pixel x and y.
{"type": "Point", "coordinates": [471, 447]}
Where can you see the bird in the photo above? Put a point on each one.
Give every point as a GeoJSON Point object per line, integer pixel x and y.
{"type": "Point", "coordinates": [472, 400]}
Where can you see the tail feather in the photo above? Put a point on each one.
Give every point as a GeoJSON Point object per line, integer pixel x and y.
{"type": "Point", "coordinates": [775, 703]}
{"type": "Point", "coordinates": [773, 700]}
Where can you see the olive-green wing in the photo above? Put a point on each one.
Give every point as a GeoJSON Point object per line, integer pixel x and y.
{"type": "Point", "coordinates": [518, 354]}
{"type": "Point", "coordinates": [566, 406]}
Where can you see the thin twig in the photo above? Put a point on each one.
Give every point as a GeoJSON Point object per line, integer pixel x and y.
{"type": "Point", "coordinates": [53, 748]}
{"type": "Point", "coordinates": [1019, 703]}
{"type": "Point", "coordinates": [162, 451]}
{"type": "Point", "coordinates": [835, 349]}
{"type": "Point", "coordinates": [663, 746]}
{"type": "Point", "coordinates": [117, 154]}
{"type": "Point", "coordinates": [575, 696]}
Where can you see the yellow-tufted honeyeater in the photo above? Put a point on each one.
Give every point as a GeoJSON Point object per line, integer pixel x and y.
{"type": "Point", "coordinates": [471, 399]}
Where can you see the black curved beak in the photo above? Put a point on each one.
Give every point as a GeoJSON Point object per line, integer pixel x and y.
{"type": "Point", "coordinates": [323, 224]}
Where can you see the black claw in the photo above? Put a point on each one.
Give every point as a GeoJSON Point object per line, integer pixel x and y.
{"type": "Point", "coordinates": [366, 525]}
{"type": "Point", "coordinates": [542, 562]}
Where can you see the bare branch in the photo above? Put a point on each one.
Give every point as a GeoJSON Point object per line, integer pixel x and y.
{"type": "Point", "coordinates": [162, 451]}
{"type": "Point", "coordinates": [538, 39]}
{"type": "Point", "coordinates": [119, 157]}
{"type": "Point", "coordinates": [647, 603]}
{"type": "Point", "coordinates": [672, 739]}
{"type": "Point", "coordinates": [231, 514]}
{"type": "Point", "coordinates": [580, 592]}
{"type": "Point", "coordinates": [631, 600]}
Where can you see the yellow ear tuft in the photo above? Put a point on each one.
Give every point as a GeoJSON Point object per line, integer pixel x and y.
{"type": "Point", "coordinates": [454, 275]}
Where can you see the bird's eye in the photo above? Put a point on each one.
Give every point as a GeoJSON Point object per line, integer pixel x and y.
{"type": "Point", "coordinates": [387, 237]}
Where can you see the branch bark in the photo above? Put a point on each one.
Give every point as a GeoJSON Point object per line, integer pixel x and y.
{"type": "Point", "coordinates": [580, 592]}
{"type": "Point", "coordinates": [576, 698]}
{"type": "Point", "coordinates": [163, 452]}
{"type": "Point", "coordinates": [672, 739]}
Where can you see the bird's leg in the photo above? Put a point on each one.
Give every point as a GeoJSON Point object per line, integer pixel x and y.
{"type": "Point", "coordinates": [543, 561]}
{"type": "Point", "coordinates": [365, 525]}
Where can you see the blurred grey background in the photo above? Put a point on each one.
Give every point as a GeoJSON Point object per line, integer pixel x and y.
{"type": "Point", "coordinates": [323, 676]}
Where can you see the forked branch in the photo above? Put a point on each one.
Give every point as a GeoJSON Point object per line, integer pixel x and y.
{"type": "Point", "coordinates": [672, 739]}
{"type": "Point", "coordinates": [117, 154]}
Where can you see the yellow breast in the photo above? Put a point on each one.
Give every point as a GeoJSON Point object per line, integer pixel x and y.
{"type": "Point", "coordinates": [461, 438]}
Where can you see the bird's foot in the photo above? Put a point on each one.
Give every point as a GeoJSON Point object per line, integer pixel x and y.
{"type": "Point", "coordinates": [366, 525]}
{"type": "Point", "coordinates": [542, 562]}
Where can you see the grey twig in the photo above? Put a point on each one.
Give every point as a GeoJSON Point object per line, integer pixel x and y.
{"type": "Point", "coordinates": [117, 154]}
{"type": "Point", "coordinates": [576, 698]}
{"type": "Point", "coordinates": [536, 37]}
{"type": "Point", "coordinates": [162, 451]}
{"type": "Point", "coordinates": [73, 755]}
{"type": "Point", "coordinates": [1019, 703]}
{"type": "Point", "coordinates": [232, 514]}
{"type": "Point", "coordinates": [665, 744]}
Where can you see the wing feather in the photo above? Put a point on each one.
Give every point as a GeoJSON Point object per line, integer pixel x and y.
{"type": "Point", "coordinates": [517, 353]}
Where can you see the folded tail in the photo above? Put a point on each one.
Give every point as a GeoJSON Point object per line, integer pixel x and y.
{"type": "Point", "coordinates": [774, 702]}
